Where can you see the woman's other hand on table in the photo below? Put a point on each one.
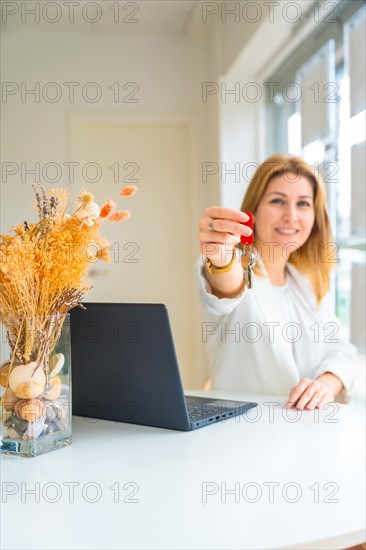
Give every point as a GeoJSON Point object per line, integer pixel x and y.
{"type": "Point", "coordinates": [310, 394]}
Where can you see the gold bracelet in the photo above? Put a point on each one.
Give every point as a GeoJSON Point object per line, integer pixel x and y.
{"type": "Point", "coordinates": [216, 270]}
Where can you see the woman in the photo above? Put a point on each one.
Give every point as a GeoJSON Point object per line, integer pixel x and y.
{"type": "Point", "coordinates": [280, 336]}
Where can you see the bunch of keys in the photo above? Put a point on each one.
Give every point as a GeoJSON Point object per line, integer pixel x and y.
{"type": "Point", "coordinates": [248, 258]}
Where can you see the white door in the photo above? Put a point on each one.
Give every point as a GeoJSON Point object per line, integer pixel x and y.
{"type": "Point", "coordinates": [153, 253]}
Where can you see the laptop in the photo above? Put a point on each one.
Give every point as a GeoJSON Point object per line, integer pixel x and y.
{"type": "Point", "coordinates": [125, 368]}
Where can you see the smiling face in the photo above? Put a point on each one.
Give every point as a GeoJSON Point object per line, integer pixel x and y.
{"type": "Point", "coordinates": [286, 211]}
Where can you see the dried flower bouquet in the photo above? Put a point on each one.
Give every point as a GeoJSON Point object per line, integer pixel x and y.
{"type": "Point", "coordinates": [42, 276]}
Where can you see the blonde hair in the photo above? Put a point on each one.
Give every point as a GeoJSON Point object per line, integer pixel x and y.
{"type": "Point", "coordinates": [315, 267]}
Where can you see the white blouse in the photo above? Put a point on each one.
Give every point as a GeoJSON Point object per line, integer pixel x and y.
{"type": "Point", "coordinates": [299, 328]}
{"type": "Point", "coordinates": [268, 338]}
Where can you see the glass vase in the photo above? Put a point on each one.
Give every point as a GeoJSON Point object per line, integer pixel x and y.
{"type": "Point", "coordinates": [35, 378]}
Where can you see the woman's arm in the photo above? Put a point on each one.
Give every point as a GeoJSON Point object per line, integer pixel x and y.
{"type": "Point", "coordinates": [229, 284]}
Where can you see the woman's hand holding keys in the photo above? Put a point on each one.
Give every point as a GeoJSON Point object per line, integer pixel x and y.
{"type": "Point", "coordinates": [220, 230]}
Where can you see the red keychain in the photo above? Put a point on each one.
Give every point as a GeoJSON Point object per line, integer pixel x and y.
{"type": "Point", "coordinates": [249, 223]}
{"type": "Point", "coordinates": [248, 255]}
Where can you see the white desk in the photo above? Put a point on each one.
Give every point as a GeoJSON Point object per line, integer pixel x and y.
{"type": "Point", "coordinates": [173, 473]}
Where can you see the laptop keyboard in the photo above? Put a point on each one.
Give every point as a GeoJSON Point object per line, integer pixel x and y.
{"type": "Point", "coordinates": [205, 410]}
{"type": "Point", "coordinates": [195, 412]}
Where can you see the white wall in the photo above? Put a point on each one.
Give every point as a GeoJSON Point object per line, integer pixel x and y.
{"type": "Point", "coordinates": [168, 71]}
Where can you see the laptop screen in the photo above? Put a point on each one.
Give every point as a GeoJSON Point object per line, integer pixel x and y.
{"type": "Point", "coordinates": [124, 365]}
